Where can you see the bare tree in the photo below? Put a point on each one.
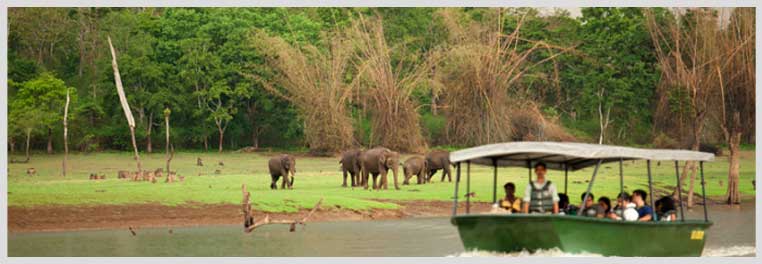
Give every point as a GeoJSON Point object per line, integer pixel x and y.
{"type": "Point", "coordinates": [149, 126]}
{"type": "Point", "coordinates": [170, 153]}
{"type": "Point", "coordinates": [316, 83]}
{"type": "Point", "coordinates": [604, 120]}
{"type": "Point", "coordinates": [737, 86]}
{"type": "Point", "coordinates": [481, 72]}
{"type": "Point", "coordinates": [126, 108]}
{"type": "Point", "coordinates": [687, 51]}
{"type": "Point", "coordinates": [66, 133]}
{"type": "Point", "coordinates": [389, 87]}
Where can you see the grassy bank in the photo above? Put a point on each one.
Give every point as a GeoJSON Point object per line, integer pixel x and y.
{"type": "Point", "coordinates": [316, 177]}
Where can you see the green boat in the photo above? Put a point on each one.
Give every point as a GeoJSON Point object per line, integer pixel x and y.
{"type": "Point", "coordinates": [570, 233]}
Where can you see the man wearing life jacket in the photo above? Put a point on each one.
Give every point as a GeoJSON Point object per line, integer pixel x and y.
{"type": "Point", "coordinates": [540, 195]}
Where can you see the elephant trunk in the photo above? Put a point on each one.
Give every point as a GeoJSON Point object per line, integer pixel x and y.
{"type": "Point", "coordinates": [293, 173]}
{"type": "Point", "coordinates": [395, 170]}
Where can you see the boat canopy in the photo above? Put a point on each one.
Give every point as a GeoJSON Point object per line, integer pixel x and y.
{"type": "Point", "coordinates": [561, 155]}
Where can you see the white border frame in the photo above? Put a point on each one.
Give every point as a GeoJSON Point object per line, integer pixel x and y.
{"type": "Point", "coordinates": [351, 3]}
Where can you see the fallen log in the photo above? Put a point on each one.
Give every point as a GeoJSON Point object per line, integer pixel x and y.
{"type": "Point", "coordinates": [250, 224]}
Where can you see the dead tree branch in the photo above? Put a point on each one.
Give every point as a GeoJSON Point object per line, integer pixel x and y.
{"type": "Point", "coordinates": [126, 108]}
{"type": "Point", "coordinates": [250, 224]}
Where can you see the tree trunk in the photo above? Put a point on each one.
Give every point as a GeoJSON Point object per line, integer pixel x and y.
{"type": "Point", "coordinates": [603, 120]}
{"type": "Point", "coordinates": [66, 133]}
{"type": "Point", "coordinates": [81, 41]}
{"type": "Point", "coordinates": [433, 104]}
{"type": "Point", "coordinates": [125, 108]}
{"type": "Point", "coordinates": [138, 175]}
{"type": "Point", "coordinates": [50, 140]}
{"type": "Point", "coordinates": [693, 171]}
{"type": "Point", "coordinates": [222, 134]}
{"type": "Point", "coordinates": [734, 195]}
{"type": "Point", "coordinates": [149, 147]}
{"type": "Point", "coordinates": [733, 138]}
{"type": "Point", "coordinates": [699, 124]}
{"type": "Point", "coordinates": [683, 175]}
{"type": "Point", "coordinates": [170, 176]}
{"type": "Point", "coordinates": [251, 112]}
{"type": "Point", "coordinates": [12, 145]}
{"type": "Point", "coordinates": [690, 167]}
{"type": "Point", "coordinates": [206, 143]}
{"type": "Point", "coordinates": [255, 138]}
{"type": "Point", "coordinates": [28, 139]}
{"type": "Point", "coordinates": [690, 186]}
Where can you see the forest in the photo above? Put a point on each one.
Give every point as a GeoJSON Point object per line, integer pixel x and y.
{"type": "Point", "coordinates": [412, 79]}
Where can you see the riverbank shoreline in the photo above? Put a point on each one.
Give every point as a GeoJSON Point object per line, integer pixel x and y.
{"type": "Point", "coordinates": [52, 218]}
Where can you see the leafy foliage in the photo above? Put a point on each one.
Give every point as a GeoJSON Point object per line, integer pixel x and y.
{"type": "Point", "coordinates": [198, 62]}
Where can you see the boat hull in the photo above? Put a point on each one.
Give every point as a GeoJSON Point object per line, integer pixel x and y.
{"type": "Point", "coordinates": [575, 234]}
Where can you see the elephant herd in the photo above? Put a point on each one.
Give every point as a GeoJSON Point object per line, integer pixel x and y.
{"type": "Point", "coordinates": [360, 165]}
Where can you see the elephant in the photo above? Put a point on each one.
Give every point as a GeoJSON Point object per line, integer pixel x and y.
{"type": "Point", "coordinates": [350, 164]}
{"type": "Point", "coordinates": [438, 160]}
{"type": "Point", "coordinates": [415, 165]}
{"type": "Point", "coordinates": [378, 161]}
{"type": "Point", "coordinates": [282, 165]}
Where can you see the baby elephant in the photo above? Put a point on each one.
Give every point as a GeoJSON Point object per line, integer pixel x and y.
{"type": "Point", "coordinates": [282, 165]}
{"type": "Point", "coordinates": [350, 164]}
{"type": "Point", "coordinates": [438, 160]}
{"type": "Point", "coordinates": [415, 165]}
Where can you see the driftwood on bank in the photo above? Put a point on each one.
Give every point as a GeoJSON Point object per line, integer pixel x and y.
{"type": "Point", "coordinates": [250, 224]}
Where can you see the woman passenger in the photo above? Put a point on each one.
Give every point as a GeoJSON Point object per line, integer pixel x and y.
{"type": "Point", "coordinates": [605, 204]}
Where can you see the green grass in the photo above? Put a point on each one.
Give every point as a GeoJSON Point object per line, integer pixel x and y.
{"type": "Point", "coordinates": [316, 177]}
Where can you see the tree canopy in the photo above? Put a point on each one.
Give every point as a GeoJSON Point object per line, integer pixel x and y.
{"type": "Point", "coordinates": [399, 76]}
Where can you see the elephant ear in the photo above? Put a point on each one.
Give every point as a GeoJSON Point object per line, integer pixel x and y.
{"type": "Point", "coordinates": [382, 159]}
{"type": "Point", "coordinates": [284, 161]}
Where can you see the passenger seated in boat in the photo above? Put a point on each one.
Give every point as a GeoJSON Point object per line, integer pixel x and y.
{"type": "Point", "coordinates": [665, 209]}
{"type": "Point", "coordinates": [644, 211]}
{"type": "Point", "coordinates": [621, 201]}
{"type": "Point", "coordinates": [564, 207]}
{"type": "Point", "coordinates": [510, 203]}
{"type": "Point", "coordinates": [540, 195]}
{"type": "Point", "coordinates": [590, 209]}
{"type": "Point", "coordinates": [625, 209]}
{"type": "Point", "coordinates": [605, 204]}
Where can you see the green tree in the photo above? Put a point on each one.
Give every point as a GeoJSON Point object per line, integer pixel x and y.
{"type": "Point", "coordinates": [25, 120]}
{"type": "Point", "coordinates": [616, 78]}
{"type": "Point", "coordinates": [47, 94]}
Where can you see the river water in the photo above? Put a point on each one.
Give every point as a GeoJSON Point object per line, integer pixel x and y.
{"type": "Point", "coordinates": [732, 235]}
